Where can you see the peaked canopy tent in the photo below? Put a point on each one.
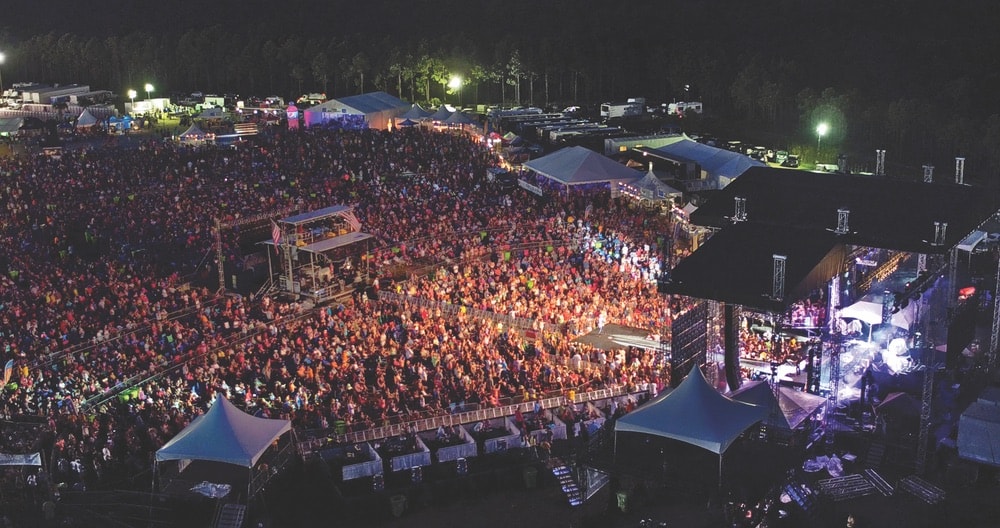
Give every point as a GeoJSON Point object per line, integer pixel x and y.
{"type": "Point", "coordinates": [789, 409]}
{"type": "Point", "coordinates": [375, 110]}
{"type": "Point", "coordinates": [224, 434]}
{"type": "Point", "coordinates": [416, 113]}
{"type": "Point", "coordinates": [442, 114]}
{"type": "Point", "coordinates": [461, 119]}
{"type": "Point", "coordinates": [651, 189]}
{"type": "Point", "coordinates": [580, 166]}
{"type": "Point", "coordinates": [193, 133]}
{"type": "Point", "coordinates": [86, 119]}
{"type": "Point", "coordinates": [693, 413]}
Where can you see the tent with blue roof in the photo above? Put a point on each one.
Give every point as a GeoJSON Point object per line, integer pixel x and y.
{"type": "Point", "coordinates": [370, 110]}
{"type": "Point", "coordinates": [579, 166]}
{"type": "Point", "coordinates": [718, 165]}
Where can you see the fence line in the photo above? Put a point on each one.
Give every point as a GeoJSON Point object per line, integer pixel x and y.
{"type": "Point", "coordinates": [310, 446]}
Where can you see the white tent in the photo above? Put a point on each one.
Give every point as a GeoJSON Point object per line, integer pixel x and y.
{"type": "Point", "coordinates": [578, 166]}
{"type": "Point", "coordinates": [651, 188]}
{"type": "Point", "coordinates": [871, 313]}
{"type": "Point", "coordinates": [193, 133]}
{"type": "Point", "coordinates": [979, 433]}
{"type": "Point", "coordinates": [86, 119]}
{"type": "Point", "coordinates": [375, 110]}
{"type": "Point", "coordinates": [224, 434]}
{"type": "Point", "coordinates": [694, 413]}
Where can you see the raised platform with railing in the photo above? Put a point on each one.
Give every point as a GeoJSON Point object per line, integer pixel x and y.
{"type": "Point", "coordinates": [320, 439]}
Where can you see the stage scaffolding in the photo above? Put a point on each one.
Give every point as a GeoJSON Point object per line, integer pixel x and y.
{"type": "Point", "coordinates": [320, 254]}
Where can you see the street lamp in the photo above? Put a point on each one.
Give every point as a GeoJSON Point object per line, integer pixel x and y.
{"type": "Point", "coordinates": [2, 57]}
{"type": "Point", "coordinates": [131, 95]}
{"type": "Point", "coordinates": [455, 84]}
{"type": "Point", "coordinates": [821, 130]}
{"type": "Point", "coordinates": [149, 88]}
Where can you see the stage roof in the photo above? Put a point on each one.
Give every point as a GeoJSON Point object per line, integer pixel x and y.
{"type": "Point", "coordinates": [736, 265]}
{"type": "Point", "coordinates": [884, 213]}
{"type": "Point", "coordinates": [318, 214]}
{"type": "Point", "coordinates": [335, 242]}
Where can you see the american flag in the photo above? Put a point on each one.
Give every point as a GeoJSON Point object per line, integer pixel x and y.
{"type": "Point", "coordinates": [351, 219]}
{"type": "Point", "coordinates": [275, 234]}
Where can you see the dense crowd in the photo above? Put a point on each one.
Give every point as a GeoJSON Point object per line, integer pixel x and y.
{"type": "Point", "coordinates": [100, 248]}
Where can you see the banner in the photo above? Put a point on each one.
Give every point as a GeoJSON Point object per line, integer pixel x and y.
{"type": "Point", "coordinates": [8, 370]}
{"type": "Point", "coordinates": [530, 187]}
{"type": "Point", "coordinates": [29, 459]}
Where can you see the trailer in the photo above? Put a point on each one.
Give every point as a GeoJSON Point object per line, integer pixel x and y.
{"type": "Point", "coordinates": [45, 95]}
{"type": "Point", "coordinates": [634, 106]}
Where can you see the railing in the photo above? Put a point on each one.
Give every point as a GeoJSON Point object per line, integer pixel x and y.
{"type": "Point", "coordinates": [307, 447]}
{"type": "Point", "coordinates": [149, 376]}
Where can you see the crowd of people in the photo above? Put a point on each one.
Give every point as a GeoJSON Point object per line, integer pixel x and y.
{"type": "Point", "coordinates": [118, 344]}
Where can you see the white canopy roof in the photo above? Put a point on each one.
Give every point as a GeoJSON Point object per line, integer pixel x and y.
{"type": "Point", "coordinates": [694, 413]}
{"type": "Point", "coordinates": [193, 132]}
{"type": "Point", "coordinates": [871, 313]}
{"type": "Point", "coordinates": [578, 165]}
{"type": "Point", "coordinates": [224, 434]}
{"type": "Point", "coordinates": [86, 119]}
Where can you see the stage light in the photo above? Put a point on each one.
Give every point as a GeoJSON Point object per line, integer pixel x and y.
{"type": "Point", "coordinates": [378, 482]}
{"type": "Point", "coordinates": [462, 467]}
{"type": "Point", "coordinates": [416, 474]}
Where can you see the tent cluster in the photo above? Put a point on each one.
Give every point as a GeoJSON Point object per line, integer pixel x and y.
{"type": "Point", "coordinates": [444, 115]}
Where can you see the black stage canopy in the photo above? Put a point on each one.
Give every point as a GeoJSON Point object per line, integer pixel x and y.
{"type": "Point", "coordinates": [884, 213]}
{"type": "Point", "coordinates": [736, 265]}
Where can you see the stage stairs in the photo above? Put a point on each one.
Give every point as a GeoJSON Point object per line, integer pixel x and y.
{"type": "Point", "coordinates": [570, 488]}
{"type": "Point", "coordinates": [876, 452]}
{"type": "Point", "coordinates": [230, 515]}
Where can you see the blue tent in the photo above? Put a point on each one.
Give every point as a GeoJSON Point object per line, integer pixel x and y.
{"type": "Point", "coordinates": [578, 166]}
{"type": "Point", "coordinates": [694, 413]}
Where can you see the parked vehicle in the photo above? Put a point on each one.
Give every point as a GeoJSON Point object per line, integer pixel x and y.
{"type": "Point", "coordinates": [791, 161]}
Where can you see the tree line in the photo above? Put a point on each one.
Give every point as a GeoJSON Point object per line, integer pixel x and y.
{"type": "Point", "coordinates": [771, 71]}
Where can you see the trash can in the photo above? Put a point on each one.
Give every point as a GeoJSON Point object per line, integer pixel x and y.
{"type": "Point", "coordinates": [623, 501]}
{"type": "Point", "coordinates": [398, 505]}
{"type": "Point", "coordinates": [530, 477]}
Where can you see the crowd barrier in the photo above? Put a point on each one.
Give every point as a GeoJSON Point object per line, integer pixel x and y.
{"type": "Point", "coordinates": [318, 439]}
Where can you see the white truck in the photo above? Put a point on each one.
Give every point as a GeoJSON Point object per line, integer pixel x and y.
{"type": "Point", "coordinates": [680, 108]}
{"type": "Point", "coordinates": [634, 106]}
